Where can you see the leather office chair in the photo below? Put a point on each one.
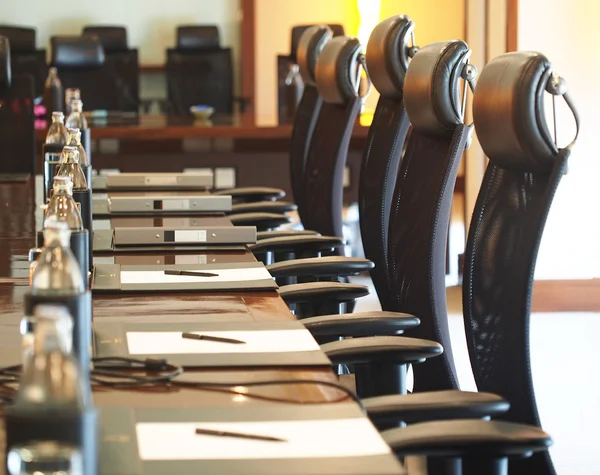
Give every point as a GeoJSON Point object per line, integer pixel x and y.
{"type": "Point", "coordinates": [80, 61]}
{"type": "Point", "coordinates": [522, 176]}
{"type": "Point", "coordinates": [17, 132]}
{"type": "Point", "coordinates": [25, 58]}
{"type": "Point", "coordinates": [121, 63]}
{"type": "Point", "coordinates": [199, 71]}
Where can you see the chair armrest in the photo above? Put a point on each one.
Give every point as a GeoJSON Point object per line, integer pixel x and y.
{"type": "Point", "coordinates": [285, 233]}
{"type": "Point", "coordinates": [381, 349]}
{"type": "Point", "coordinates": [279, 207]}
{"type": "Point", "coordinates": [298, 244]}
{"type": "Point", "coordinates": [331, 266]}
{"type": "Point", "coordinates": [262, 221]}
{"type": "Point", "coordinates": [360, 324]}
{"type": "Point", "coordinates": [433, 406]}
{"type": "Point", "coordinates": [466, 438]}
{"type": "Point", "coordinates": [319, 292]}
{"type": "Point", "coordinates": [251, 194]}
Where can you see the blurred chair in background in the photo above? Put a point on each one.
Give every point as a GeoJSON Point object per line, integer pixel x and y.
{"type": "Point", "coordinates": [121, 62]}
{"type": "Point", "coordinates": [25, 58]}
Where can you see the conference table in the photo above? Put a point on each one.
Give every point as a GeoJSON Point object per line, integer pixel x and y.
{"type": "Point", "coordinates": [286, 401]}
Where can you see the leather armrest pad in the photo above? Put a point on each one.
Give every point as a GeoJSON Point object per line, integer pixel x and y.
{"type": "Point", "coordinates": [467, 437]}
{"type": "Point", "coordinates": [330, 266]}
{"type": "Point", "coordinates": [298, 244]}
{"type": "Point", "coordinates": [322, 292]}
{"type": "Point", "coordinates": [381, 349]}
{"type": "Point", "coordinates": [252, 193]}
{"type": "Point", "coordinates": [434, 406]}
{"type": "Point", "coordinates": [264, 206]}
{"type": "Point", "coordinates": [285, 233]}
{"type": "Point", "coordinates": [360, 324]}
{"type": "Point", "coordinates": [261, 220]}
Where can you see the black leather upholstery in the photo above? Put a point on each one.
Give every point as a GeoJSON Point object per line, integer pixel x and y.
{"type": "Point", "coordinates": [360, 324]}
{"type": "Point", "coordinates": [311, 43]}
{"type": "Point", "coordinates": [5, 67]}
{"type": "Point", "coordinates": [386, 62]}
{"type": "Point", "coordinates": [264, 206]}
{"type": "Point", "coordinates": [504, 237]}
{"type": "Point", "coordinates": [388, 55]}
{"type": "Point", "coordinates": [381, 349]}
{"type": "Point", "coordinates": [284, 233]}
{"type": "Point", "coordinates": [298, 244]}
{"type": "Point", "coordinates": [318, 267]}
{"type": "Point", "coordinates": [328, 149]}
{"type": "Point", "coordinates": [467, 438]}
{"type": "Point", "coordinates": [25, 58]}
{"type": "Point", "coordinates": [198, 37]}
{"type": "Point", "coordinates": [509, 110]}
{"type": "Point", "coordinates": [298, 31]}
{"type": "Point", "coordinates": [322, 292]}
{"type": "Point", "coordinates": [421, 207]}
{"type": "Point", "coordinates": [77, 52]}
{"type": "Point", "coordinates": [262, 221]}
{"type": "Point", "coordinates": [250, 194]}
{"type": "Point", "coordinates": [112, 38]}
{"type": "Point", "coordinates": [434, 406]}
{"type": "Point", "coordinates": [432, 92]}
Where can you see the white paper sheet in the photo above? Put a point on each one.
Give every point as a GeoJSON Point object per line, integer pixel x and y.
{"type": "Point", "coordinates": [304, 439]}
{"type": "Point", "coordinates": [175, 204]}
{"type": "Point", "coordinates": [225, 275]}
{"type": "Point", "coordinates": [190, 235]}
{"type": "Point", "coordinates": [256, 341]}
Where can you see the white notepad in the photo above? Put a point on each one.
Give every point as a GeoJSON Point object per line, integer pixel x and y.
{"type": "Point", "coordinates": [304, 439]}
{"type": "Point", "coordinates": [225, 275]}
{"type": "Point", "coordinates": [256, 341]}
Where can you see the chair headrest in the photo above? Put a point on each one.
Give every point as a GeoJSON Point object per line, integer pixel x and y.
{"type": "Point", "coordinates": [298, 31]}
{"type": "Point", "coordinates": [310, 46]}
{"type": "Point", "coordinates": [113, 38]}
{"type": "Point", "coordinates": [22, 40]}
{"type": "Point", "coordinates": [198, 37]}
{"type": "Point", "coordinates": [5, 70]}
{"type": "Point", "coordinates": [508, 111]}
{"type": "Point", "coordinates": [77, 51]}
{"type": "Point", "coordinates": [432, 87]}
{"type": "Point", "coordinates": [388, 54]}
{"type": "Point", "coordinates": [337, 70]}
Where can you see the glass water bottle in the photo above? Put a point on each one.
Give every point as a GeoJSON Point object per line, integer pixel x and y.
{"type": "Point", "coordinates": [75, 141]}
{"type": "Point", "coordinates": [57, 133]}
{"type": "Point", "coordinates": [70, 167]}
{"type": "Point", "coordinates": [53, 91]}
{"type": "Point", "coordinates": [62, 206]}
{"type": "Point", "coordinates": [57, 270]}
{"type": "Point", "coordinates": [76, 118]}
{"type": "Point", "coordinates": [71, 94]}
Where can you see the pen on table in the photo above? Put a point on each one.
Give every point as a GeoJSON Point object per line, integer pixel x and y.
{"type": "Point", "coordinates": [218, 339]}
{"type": "Point", "coordinates": [239, 435]}
{"type": "Point", "coordinates": [190, 273]}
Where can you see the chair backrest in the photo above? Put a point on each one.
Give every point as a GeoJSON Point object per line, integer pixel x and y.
{"type": "Point", "coordinates": [298, 31]}
{"type": "Point", "coordinates": [17, 133]}
{"type": "Point", "coordinates": [422, 201]}
{"type": "Point", "coordinates": [199, 71]}
{"type": "Point", "coordinates": [79, 61]}
{"type": "Point", "coordinates": [508, 221]}
{"type": "Point", "coordinates": [388, 56]}
{"type": "Point", "coordinates": [310, 46]}
{"type": "Point", "coordinates": [121, 63]}
{"type": "Point", "coordinates": [25, 58]}
{"type": "Point", "coordinates": [337, 74]}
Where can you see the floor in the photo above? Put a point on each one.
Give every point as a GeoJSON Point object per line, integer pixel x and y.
{"type": "Point", "coordinates": [565, 369]}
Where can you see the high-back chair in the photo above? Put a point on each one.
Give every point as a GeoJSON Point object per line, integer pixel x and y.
{"type": "Point", "coordinates": [523, 174]}
{"type": "Point", "coordinates": [17, 133]}
{"type": "Point", "coordinates": [79, 61]}
{"type": "Point", "coordinates": [199, 71]}
{"type": "Point", "coordinates": [121, 62]}
{"type": "Point", "coordinates": [25, 58]}
{"type": "Point", "coordinates": [422, 200]}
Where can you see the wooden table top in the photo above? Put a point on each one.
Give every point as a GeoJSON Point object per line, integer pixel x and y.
{"type": "Point", "coordinates": [17, 236]}
{"type": "Point", "coordinates": [163, 127]}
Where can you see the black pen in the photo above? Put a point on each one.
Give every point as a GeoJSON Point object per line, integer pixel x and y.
{"type": "Point", "coordinates": [239, 435]}
{"type": "Point", "coordinates": [218, 339]}
{"type": "Point", "coordinates": [190, 273]}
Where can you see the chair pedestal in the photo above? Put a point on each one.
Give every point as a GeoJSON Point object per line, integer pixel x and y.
{"type": "Point", "coordinates": [380, 379]}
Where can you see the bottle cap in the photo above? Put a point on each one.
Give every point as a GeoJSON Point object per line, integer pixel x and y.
{"type": "Point", "coordinates": [58, 114]}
